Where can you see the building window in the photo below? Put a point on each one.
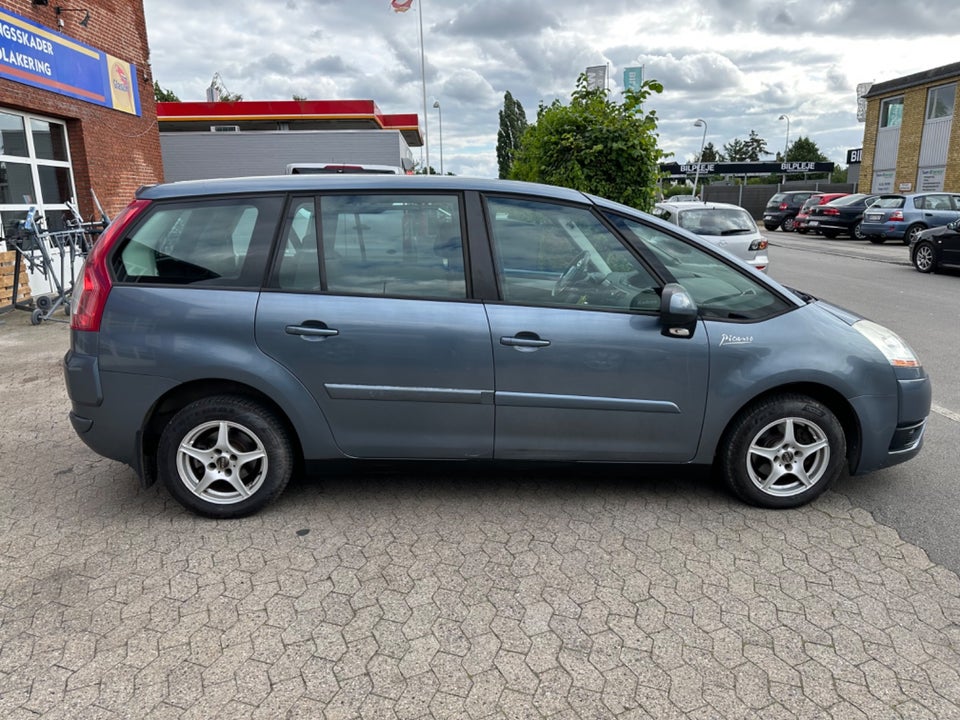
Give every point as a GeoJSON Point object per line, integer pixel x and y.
{"type": "Point", "coordinates": [891, 112]}
{"type": "Point", "coordinates": [940, 101]}
{"type": "Point", "coordinates": [35, 170]}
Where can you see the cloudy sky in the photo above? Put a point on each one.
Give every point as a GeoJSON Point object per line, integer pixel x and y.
{"type": "Point", "coordinates": [738, 64]}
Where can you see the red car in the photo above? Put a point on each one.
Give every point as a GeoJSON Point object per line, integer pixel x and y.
{"type": "Point", "coordinates": [800, 223]}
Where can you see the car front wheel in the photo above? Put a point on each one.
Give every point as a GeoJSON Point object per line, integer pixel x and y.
{"type": "Point", "coordinates": [924, 259]}
{"type": "Point", "coordinates": [224, 456]}
{"type": "Point", "coordinates": [782, 451]}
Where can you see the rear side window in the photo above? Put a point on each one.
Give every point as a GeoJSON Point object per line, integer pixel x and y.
{"type": "Point", "coordinates": [218, 243]}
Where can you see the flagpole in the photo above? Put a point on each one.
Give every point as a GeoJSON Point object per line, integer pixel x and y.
{"type": "Point", "coordinates": [423, 85]}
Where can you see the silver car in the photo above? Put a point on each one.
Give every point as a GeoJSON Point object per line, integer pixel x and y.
{"type": "Point", "coordinates": [230, 333]}
{"type": "Point", "coordinates": [729, 226]}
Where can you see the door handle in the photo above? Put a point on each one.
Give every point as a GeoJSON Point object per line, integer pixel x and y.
{"type": "Point", "coordinates": [524, 340]}
{"type": "Point", "coordinates": [311, 329]}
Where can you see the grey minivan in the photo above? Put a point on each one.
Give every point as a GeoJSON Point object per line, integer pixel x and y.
{"type": "Point", "coordinates": [229, 333]}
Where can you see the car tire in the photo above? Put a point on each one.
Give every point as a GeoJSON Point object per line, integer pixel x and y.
{"type": "Point", "coordinates": [924, 257]}
{"type": "Point", "coordinates": [857, 232]}
{"type": "Point", "coordinates": [770, 227]}
{"type": "Point", "coordinates": [876, 239]}
{"type": "Point", "coordinates": [829, 234]}
{"type": "Point", "coordinates": [224, 456]}
{"type": "Point", "coordinates": [782, 451]}
{"type": "Point", "coordinates": [789, 224]}
{"type": "Point", "coordinates": [802, 231]}
{"type": "Point", "coordinates": [911, 234]}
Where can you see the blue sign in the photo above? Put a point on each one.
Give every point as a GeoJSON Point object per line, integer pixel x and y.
{"type": "Point", "coordinates": [35, 55]}
{"type": "Point", "coordinates": [632, 78]}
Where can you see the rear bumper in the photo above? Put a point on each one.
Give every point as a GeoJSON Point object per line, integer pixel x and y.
{"type": "Point", "coordinates": [886, 230]}
{"type": "Point", "coordinates": [107, 409]}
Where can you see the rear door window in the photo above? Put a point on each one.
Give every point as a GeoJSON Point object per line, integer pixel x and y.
{"type": "Point", "coordinates": [216, 243]}
{"type": "Point", "coordinates": [373, 244]}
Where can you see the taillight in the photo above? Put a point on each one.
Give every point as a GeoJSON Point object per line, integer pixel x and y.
{"type": "Point", "coordinates": [86, 307]}
{"type": "Point", "coordinates": [783, 206]}
{"type": "Point", "coordinates": [895, 216]}
{"type": "Point", "coordinates": [830, 211]}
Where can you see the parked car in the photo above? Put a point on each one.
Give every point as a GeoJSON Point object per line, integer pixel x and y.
{"type": "Point", "coordinates": [800, 221]}
{"type": "Point", "coordinates": [229, 333]}
{"type": "Point", "coordinates": [903, 217]}
{"type": "Point", "coordinates": [935, 247]}
{"type": "Point", "coordinates": [728, 226]}
{"type": "Point", "coordinates": [783, 207]}
{"type": "Point", "coordinates": [842, 216]}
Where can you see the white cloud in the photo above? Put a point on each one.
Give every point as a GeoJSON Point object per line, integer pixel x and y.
{"type": "Point", "coordinates": [739, 64]}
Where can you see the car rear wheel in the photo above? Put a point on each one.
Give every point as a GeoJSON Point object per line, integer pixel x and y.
{"type": "Point", "coordinates": [924, 258]}
{"type": "Point", "coordinates": [911, 234]}
{"type": "Point", "coordinates": [789, 224]}
{"type": "Point", "coordinates": [782, 451]}
{"type": "Point", "coordinates": [858, 232]}
{"type": "Point", "coordinates": [224, 456]}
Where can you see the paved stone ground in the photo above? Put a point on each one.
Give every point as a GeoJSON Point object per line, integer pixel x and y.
{"type": "Point", "coordinates": [445, 593]}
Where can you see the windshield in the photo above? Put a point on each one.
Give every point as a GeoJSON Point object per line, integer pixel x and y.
{"type": "Point", "coordinates": [717, 221]}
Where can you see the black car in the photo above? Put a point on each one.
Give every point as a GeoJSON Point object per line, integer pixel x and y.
{"type": "Point", "coordinates": [935, 247]}
{"type": "Point", "coordinates": [783, 207]}
{"type": "Point", "coordinates": [842, 216]}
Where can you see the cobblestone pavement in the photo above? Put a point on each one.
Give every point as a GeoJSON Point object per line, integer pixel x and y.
{"type": "Point", "coordinates": [445, 593]}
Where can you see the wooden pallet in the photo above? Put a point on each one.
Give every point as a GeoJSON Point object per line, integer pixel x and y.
{"type": "Point", "coordinates": [8, 261]}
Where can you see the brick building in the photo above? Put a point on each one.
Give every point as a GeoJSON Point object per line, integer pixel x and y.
{"type": "Point", "coordinates": [911, 141]}
{"type": "Point", "coordinates": [77, 109]}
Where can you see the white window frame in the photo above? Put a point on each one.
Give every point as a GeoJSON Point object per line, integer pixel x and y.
{"type": "Point", "coordinates": [932, 94]}
{"type": "Point", "coordinates": [885, 106]}
{"type": "Point", "coordinates": [35, 163]}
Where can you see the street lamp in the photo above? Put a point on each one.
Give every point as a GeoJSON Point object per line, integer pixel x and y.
{"type": "Point", "coordinates": [436, 104]}
{"type": "Point", "coordinates": [696, 179]}
{"type": "Point", "coordinates": [786, 143]}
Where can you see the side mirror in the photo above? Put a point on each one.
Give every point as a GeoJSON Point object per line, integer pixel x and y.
{"type": "Point", "coordinates": [678, 312]}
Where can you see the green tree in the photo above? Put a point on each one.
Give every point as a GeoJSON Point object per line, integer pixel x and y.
{"type": "Point", "coordinates": [513, 124]}
{"type": "Point", "coordinates": [595, 145]}
{"type": "Point", "coordinates": [839, 174]}
{"type": "Point", "coordinates": [161, 95]}
{"type": "Point", "coordinates": [710, 154]}
{"type": "Point", "coordinates": [750, 150]}
{"type": "Point", "coordinates": [804, 149]}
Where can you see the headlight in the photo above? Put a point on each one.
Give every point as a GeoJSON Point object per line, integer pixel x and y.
{"type": "Point", "coordinates": [889, 343]}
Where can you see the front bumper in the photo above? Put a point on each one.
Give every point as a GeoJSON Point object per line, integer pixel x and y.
{"type": "Point", "coordinates": [883, 442]}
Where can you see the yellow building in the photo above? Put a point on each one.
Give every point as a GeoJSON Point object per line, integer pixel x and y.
{"type": "Point", "coordinates": [911, 142]}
